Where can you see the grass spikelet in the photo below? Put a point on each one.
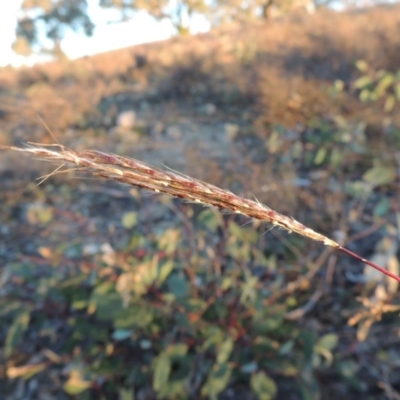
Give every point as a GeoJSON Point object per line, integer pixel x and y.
{"type": "Point", "coordinates": [136, 173]}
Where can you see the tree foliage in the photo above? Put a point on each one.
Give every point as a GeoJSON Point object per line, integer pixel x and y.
{"type": "Point", "coordinates": [51, 18]}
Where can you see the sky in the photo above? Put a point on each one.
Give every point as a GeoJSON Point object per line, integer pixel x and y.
{"type": "Point", "coordinates": [140, 29]}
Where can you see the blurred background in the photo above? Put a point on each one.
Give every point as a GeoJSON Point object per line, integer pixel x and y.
{"type": "Point", "coordinates": [109, 292]}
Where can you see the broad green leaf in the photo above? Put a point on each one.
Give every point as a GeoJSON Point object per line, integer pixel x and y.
{"type": "Point", "coordinates": [212, 335]}
{"type": "Point", "coordinates": [164, 270]}
{"type": "Point", "coordinates": [177, 350]}
{"type": "Point", "coordinates": [373, 95]}
{"type": "Point", "coordinates": [129, 219]}
{"type": "Point", "coordinates": [325, 345]}
{"type": "Point", "coordinates": [217, 381]}
{"type": "Point", "coordinates": [362, 65]}
{"type": "Point", "coordinates": [227, 283]}
{"type": "Point", "coordinates": [390, 102]}
{"type": "Point", "coordinates": [286, 348]}
{"type": "Point", "coordinates": [382, 208]}
{"type": "Point", "coordinates": [365, 95]}
{"type": "Point", "coordinates": [384, 83]}
{"type": "Point", "coordinates": [106, 305]}
{"type": "Point", "coordinates": [16, 332]}
{"type": "Point", "coordinates": [320, 156]}
{"type": "Point", "coordinates": [268, 320]}
{"type": "Point", "coordinates": [162, 370]}
{"type": "Point", "coordinates": [328, 341]}
{"type": "Point", "coordinates": [225, 351]}
{"type": "Point", "coordinates": [178, 285]}
{"type": "Point", "coordinates": [175, 389]}
{"type": "Point", "coordinates": [76, 384]}
{"type": "Point", "coordinates": [126, 394]}
{"type": "Point", "coordinates": [380, 175]}
{"type": "Point", "coordinates": [263, 386]}
{"type": "Point", "coordinates": [358, 189]}
{"type": "Point", "coordinates": [140, 316]}
{"type": "Point", "coordinates": [363, 82]}
{"type": "Point", "coordinates": [282, 367]}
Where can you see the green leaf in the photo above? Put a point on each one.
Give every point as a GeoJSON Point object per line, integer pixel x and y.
{"type": "Point", "coordinates": [177, 350]}
{"type": "Point", "coordinates": [126, 394]}
{"type": "Point", "coordinates": [169, 240]}
{"type": "Point", "coordinates": [227, 283]}
{"type": "Point", "coordinates": [129, 219]}
{"type": "Point", "coordinates": [325, 345]}
{"type": "Point", "coordinates": [328, 341]}
{"type": "Point", "coordinates": [263, 386]}
{"type": "Point", "coordinates": [286, 348]}
{"type": "Point", "coordinates": [175, 389]}
{"type": "Point", "coordinates": [382, 208]}
{"type": "Point", "coordinates": [16, 332]}
{"type": "Point", "coordinates": [211, 219]}
{"type": "Point", "coordinates": [268, 320]}
{"type": "Point", "coordinates": [140, 316]}
{"type": "Point", "coordinates": [385, 82]}
{"type": "Point", "coordinates": [320, 156]}
{"type": "Point", "coordinates": [358, 189]}
{"type": "Point", "coordinates": [362, 65]}
{"type": "Point", "coordinates": [397, 90]}
{"type": "Point", "coordinates": [177, 285]}
{"type": "Point", "coordinates": [217, 380]}
{"type": "Point", "coordinates": [75, 384]}
{"type": "Point", "coordinates": [363, 82]}
{"type": "Point", "coordinates": [365, 95]}
{"type": "Point", "coordinates": [164, 271]}
{"type": "Point", "coordinates": [162, 370]}
{"type": "Point", "coordinates": [106, 305]}
{"type": "Point", "coordinates": [225, 351]}
{"type": "Point", "coordinates": [282, 367]}
{"type": "Point", "coordinates": [390, 102]}
{"type": "Point", "coordinates": [380, 175]}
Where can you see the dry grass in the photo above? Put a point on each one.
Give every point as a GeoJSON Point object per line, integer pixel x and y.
{"type": "Point", "coordinates": [284, 66]}
{"type": "Point", "coordinates": [136, 173]}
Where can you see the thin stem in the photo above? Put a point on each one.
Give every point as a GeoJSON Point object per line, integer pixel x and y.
{"type": "Point", "coordinates": [370, 263]}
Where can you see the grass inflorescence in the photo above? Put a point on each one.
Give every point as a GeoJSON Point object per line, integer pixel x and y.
{"type": "Point", "coordinates": [137, 173]}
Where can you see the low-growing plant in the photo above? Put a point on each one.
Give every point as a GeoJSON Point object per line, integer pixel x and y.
{"type": "Point", "coordinates": [381, 85]}
{"type": "Point", "coordinates": [167, 319]}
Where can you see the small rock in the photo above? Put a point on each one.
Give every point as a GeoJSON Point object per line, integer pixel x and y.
{"type": "Point", "coordinates": [209, 109]}
{"type": "Point", "coordinates": [231, 130]}
{"type": "Point", "coordinates": [174, 132]}
{"type": "Point", "coordinates": [126, 119]}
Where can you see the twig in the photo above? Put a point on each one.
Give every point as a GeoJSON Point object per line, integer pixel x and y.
{"type": "Point", "coordinates": [133, 172]}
